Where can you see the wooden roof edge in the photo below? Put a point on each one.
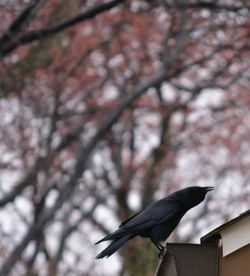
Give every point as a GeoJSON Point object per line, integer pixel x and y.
{"type": "Point", "coordinates": [214, 235]}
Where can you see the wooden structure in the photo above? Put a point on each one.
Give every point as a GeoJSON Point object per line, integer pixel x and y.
{"type": "Point", "coordinates": [225, 251]}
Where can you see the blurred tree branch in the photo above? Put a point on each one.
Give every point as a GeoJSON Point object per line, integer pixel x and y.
{"type": "Point", "coordinates": [8, 43]}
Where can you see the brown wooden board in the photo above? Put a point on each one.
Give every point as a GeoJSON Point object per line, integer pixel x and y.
{"type": "Point", "coordinates": [189, 260]}
{"type": "Point", "coordinates": [235, 264]}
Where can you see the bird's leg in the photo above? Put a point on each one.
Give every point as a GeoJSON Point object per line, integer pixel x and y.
{"type": "Point", "coordinates": [161, 249]}
{"type": "Point", "coordinates": [161, 253]}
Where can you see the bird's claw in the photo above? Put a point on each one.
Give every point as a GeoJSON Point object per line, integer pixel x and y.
{"type": "Point", "coordinates": [161, 254]}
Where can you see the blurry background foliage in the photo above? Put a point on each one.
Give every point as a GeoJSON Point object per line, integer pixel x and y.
{"type": "Point", "coordinates": [108, 105]}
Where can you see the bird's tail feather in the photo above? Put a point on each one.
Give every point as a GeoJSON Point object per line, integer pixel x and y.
{"type": "Point", "coordinates": [113, 247]}
{"type": "Point", "coordinates": [113, 236]}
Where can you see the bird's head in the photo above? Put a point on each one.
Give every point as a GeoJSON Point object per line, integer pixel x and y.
{"type": "Point", "coordinates": [192, 196]}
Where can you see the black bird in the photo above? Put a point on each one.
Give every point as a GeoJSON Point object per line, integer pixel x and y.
{"type": "Point", "coordinates": [157, 221]}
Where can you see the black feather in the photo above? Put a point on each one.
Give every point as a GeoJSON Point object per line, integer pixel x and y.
{"type": "Point", "coordinates": [113, 247]}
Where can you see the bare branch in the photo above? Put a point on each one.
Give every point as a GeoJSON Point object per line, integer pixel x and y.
{"type": "Point", "coordinates": [19, 21]}
{"type": "Point", "coordinates": [27, 180]}
{"type": "Point", "coordinates": [31, 36]}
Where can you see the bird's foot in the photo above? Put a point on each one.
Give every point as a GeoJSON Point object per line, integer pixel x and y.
{"type": "Point", "coordinates": [161, 253]}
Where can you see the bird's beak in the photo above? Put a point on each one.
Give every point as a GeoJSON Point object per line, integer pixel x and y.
{"type": "Point", "coordinates": [208, 189]}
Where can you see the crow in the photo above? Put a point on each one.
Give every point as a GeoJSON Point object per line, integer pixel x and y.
{"type": "Point", "coordinates": [157, 221]}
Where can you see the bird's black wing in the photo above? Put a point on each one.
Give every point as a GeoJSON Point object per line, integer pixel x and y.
{"type": "Point", "coordinates": [156, 213]}
{"type": "Point", "coordinates": [127, 220]}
